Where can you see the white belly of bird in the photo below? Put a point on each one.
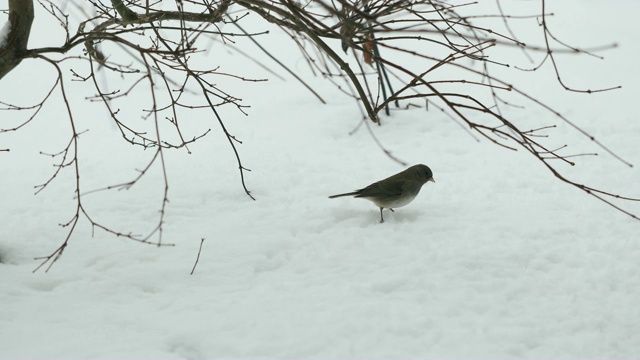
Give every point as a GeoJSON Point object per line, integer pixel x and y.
{"type": "Point", "coordinates": [394, 204]}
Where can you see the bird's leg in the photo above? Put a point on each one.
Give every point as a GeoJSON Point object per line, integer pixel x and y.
{"type": "Point", "coordinates": [381, 219]}
{"type": "Point", "coordinates": [391, 210]}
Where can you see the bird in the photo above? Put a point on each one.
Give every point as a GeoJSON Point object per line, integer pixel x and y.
{"type": "Point", "coordinates": [395, 191]}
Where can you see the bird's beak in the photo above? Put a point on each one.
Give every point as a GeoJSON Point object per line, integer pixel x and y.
{"type": "Point", "coordinates": [431, 179]}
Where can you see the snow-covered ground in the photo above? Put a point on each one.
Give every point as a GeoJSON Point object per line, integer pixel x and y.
{"type": "Point", "coordinates": [497, 259]}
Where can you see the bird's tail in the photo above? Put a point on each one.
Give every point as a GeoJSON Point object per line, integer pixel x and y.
{"type": "Point", "coordinates": [353, 193]}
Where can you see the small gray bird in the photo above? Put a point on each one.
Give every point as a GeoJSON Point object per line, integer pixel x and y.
{"type": "Point", "coordinates": [395, 191]}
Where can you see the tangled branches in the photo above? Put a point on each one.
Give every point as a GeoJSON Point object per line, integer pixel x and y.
{"type": "Point", "coordinates": [383, 54]}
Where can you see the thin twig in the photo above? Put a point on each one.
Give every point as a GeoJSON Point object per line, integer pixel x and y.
{"type": "Point", "coordinates": [197, 257]}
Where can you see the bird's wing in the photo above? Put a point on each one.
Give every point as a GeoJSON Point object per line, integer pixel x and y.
{"type": "Point", "coordinates": [383, 188]}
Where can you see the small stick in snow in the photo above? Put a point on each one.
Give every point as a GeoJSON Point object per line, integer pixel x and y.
{"type": "Point", "coordinates": [198, 257]}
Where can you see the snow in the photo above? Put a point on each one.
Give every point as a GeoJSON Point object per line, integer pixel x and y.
{"type": "Point", "coordinates": [4, 33]}
{"type": "Point", "coordinates": [497, 259]}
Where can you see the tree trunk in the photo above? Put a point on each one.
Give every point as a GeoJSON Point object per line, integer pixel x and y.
{"type": "Point", "coordinates": [15, 47]}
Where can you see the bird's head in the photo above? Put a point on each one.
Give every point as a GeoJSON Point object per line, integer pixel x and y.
{"type": "Point", "coordinates": [422, 172]}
